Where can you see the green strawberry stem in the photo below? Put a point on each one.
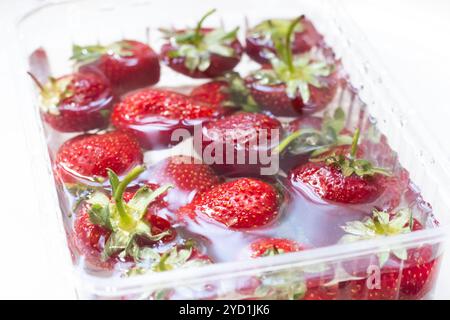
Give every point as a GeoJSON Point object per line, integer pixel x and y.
{"type": "Point", "coordinates": [288, 140]}
{"type": "Point", "coordinates": [198, 35]}
{"type": "Point", "coordinates": [354, 148]}
{"type": "Point", "coordinates": [288, 46]}
{"type": "Point", "coordinates": [126, 220]}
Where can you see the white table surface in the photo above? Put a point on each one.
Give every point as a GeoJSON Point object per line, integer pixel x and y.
{"type": "Point", "coordinates": [406, 34]}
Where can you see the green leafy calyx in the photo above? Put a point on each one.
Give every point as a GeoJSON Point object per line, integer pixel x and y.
{"type": "Point", "coordinates": [275, 30]}
{"type": "Point", "coordinates": [196, 46]}
{"type": "Point", "coordinates": [296, 72]}
{"type": "Point", "coordinates": [125, 220]}
{"type": "Point", "coordinates": [381, 224]}
{"type": "Point", "coordinates": [349, 164]}
{"type": "Point", "coordinates": [238, 93]}
{"type": "Point", "coordinates": [52, 93]}
{"type": "Point", "coordinates": [86, 54]}
{"type": "Point", "coordinates": [175, 258]}
{"type": "Point", "coordinates": [316, 142]}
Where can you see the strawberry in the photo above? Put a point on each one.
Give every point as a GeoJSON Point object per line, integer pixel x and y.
{"type": "Point", "coordinates": [228, 91]}
{"type": "Point", "coordinates": [244, 203]}
{"type": "Point", "coordinates": [187, 176]}
{"type": "Point", "coordinates": [405, 273]}
{"type": "Point", "coordinates": [75, 102]}
{"type": "Point", "coordinates": [246, 136]}
{"type": "Point", "coordinates": [108, 230]}
{"type": "Point", "coordinates": [293, 85]}
{"type": "Point", "coordinates": [320, 287]}
{"type": "Point", "coordinates": [341, 178]}
{"type": "Point", "coordinates": [312, 136]}
{"type": "Point", "coordinates": [153, 114]}
{"type": "Point", "coordinates": [273, 246]}
{"type": "Point", "coordinates": [283, 285]}
{"type": "Point", "coordinates": [419, 273]}
{"type": "Point", "coordinates": [201, 52]}
{"type": "Point", "coordinates": [128, 64]}
{"type": "Point", "coordinates": [263, 39]}
{"type": "Point", "coordinates": [87, 157]}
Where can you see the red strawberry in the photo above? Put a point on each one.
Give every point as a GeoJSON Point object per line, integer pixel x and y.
{"type": "Point", "coordinates": [201, 52]}
{"type": "Point", "coordinates": [213, 93]}
{"type": "Point", "coordinates": [87, 157]}
{"type": "Point", "coordinates": [186, 175]}
{"type": "Point", "coordinates": [419, 273]}
{"type": "Point", "coordinates": [321, 288]}
{"type": "Point", "coordinates": [262, 39]}
{"type": "Point", "coordinates": [286, 285]}
{"type": "Point", "coordinates": [249, 136]}
{"type": "Point", "coordinates": [228, 91]}
{"type": "Point", "coordinates": [341, 177]}
{"type": "Point", "coordinates": [244, 203]}
{"type": "Point", "coordinates": [76, 102]}
{"type": "Point", "coordinates": [293, 85]}
{"type": "Point", "coordinates": [405, 273]}
{"type": "Point", "coordinates": [108, 230]}
{"type": "Point", "coordinates": [273, 246]}
{"type": "Point", "coordinates": [89, 239]}
{"type": "Point", "coordinates": [128, 64]}
{"type": "Point", "coordinates": [153, 114]}
{"type": "Point", "coordinates": [281, 98]}
{"type": "Point", "coordinates": [387, 289]}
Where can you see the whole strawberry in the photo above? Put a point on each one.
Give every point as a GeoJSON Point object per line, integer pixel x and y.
{"type": "Point", "coordinates": [240, 143]}
{"type": "Point", "coordinates": [404, 273]}
{"type": "Point", "coordinates": [263, 39]}
{"type": "Point", "coordinates": [152, 115]}
{"type": "Point", "coordinates": [342, 178]}
{"type": "Point", "coordinates": [128, 64]}
{"type": "Point", "coordinates": [244, 203]}
{"type": "Point", "coordinates": [228, 91]}
{"type": "Point", "coordinates": [312, 136]}
{"type": "Point", "coordinates": [293, 85]}
{"type": "Point", "coordinates": [186, 174]}
{"type": "Point", "coordinates": [108, 230]}
{"type": "Point", "coordinates": [201, 52]}
{"type": "Point", "coordinates": [76, 102]}
{"type": "Point", "coordinates": [281, 285]}
{"type": "Point", "coordinates": [87, 158]}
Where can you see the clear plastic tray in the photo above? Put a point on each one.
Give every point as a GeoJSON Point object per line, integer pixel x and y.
{"type": "Point", "coordinates": [56, 27]}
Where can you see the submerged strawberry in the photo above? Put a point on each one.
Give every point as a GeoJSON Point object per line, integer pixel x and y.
{"type": "Point", "coordinates": [88, 157]}
{"type": "Point", "coordinates": [240, 143]}
{"type": "Point", "coordinates": [293, 85]}
{"type": "Point", "coordinates": [404, 273]}
{"type": "Point", "coordinates": [273, 246]}
{"type": "Point", "coordinates": [201, 52]}
{"type": "Point", "coordinates": [186, 174]}
{"type": "Point", "coordinates": [152, 115]}
{"type": "Point", "coordinates": [128, 64]}
{"type": "Point", "coordinates": [110, 230]}
{"type": "Point", "coordinates": [244, 203]}
{"type": "Point", "coordinates": [76, 102]}
{"type": "Point", "coordinates": [263, 39]}
{"type": "Point", "coordinates": [228, 91]}
{"type": "Point", "coordinates": [341, 177]}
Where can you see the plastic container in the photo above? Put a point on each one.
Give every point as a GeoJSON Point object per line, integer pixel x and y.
{"type": "Point", "coordinates": [56, 27]}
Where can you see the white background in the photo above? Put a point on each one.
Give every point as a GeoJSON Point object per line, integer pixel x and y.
{"type": "Point", "coordinates": [411, 37]}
